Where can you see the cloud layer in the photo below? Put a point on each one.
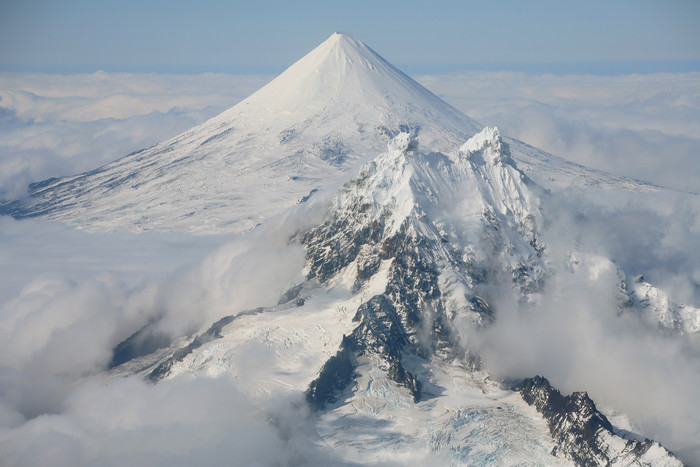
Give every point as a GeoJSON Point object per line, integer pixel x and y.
{"type": "Point", "coordinates": [577, 332]}
{"type": "Point", "coordinates": [58, 326]}
{"type": "Point", "coordinates": [56, 125]}
{"type": "Point", "coordinates": [640, 126]}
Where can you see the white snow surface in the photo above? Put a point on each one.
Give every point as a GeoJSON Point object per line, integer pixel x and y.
{"type": "Point", "coordinates": [310, 129]}
{"type": "Point", "coordinates": [465, 418]}
{"type": "Point", "coordinates": [656, 307]}
{"type": "Point", "coordinates": [306, 130]}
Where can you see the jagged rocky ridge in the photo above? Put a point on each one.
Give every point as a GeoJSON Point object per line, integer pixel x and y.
{"type": "Point", "coordinates": [399, 211]}
{"type": "Point", "coordinates": [437, 231]}
{"type": "Point", "coordinates": [584, 434]}
{"type": "Point", "coordinates": [396, 212]}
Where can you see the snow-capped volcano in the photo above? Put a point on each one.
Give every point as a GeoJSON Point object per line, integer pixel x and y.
{"type": "Point", "coordinates": [435, 238]}
{"type": "Point", "coordinates": [302, 132]}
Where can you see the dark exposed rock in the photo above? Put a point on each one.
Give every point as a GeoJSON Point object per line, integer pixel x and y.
{"type": "Point", "coordinates": [367, 266]}
{"type": "Point", "coordinates": [409, 319]}
{"type": "Point", "coordinates": [336, 375]}
{"type": "Point", "coordinates": [413, 277]}
{"type": "Point", "coordinates": [333, 151]}
{"type": "Point", "coordinates": [579, 429]}
{"type": "Point", "coordinates": [336, 243]}
{"type": "Point", "coordinates": [143, 342]}
{"type": "Point", "coordinates": [480, 306]}
{"type": "Point", "coordinates": [214, 332]}
{"type": "Point", "coordinates": [380, 332]}
{"type": "Point", "coordinates": [388, 322]}
{"type": "Point", "coordinates": [290, 294]}
{"type": "Point", "coordinates": [307, 197]}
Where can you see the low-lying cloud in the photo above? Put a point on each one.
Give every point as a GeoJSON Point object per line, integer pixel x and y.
{"type": "Point", "coordinates": [641, 126]}
{"type": "Point", "coordinates": [57, 332]}
{"type": "Point", "coordinates": [578, 332]}
{"type": "Point", "coordinates": [57, 125]}
{"type": "Point", "coordinates": [206, 421]}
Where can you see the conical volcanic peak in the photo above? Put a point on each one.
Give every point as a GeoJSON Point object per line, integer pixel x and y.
{"type": "Point", "coordinates": [301, 132]}
{"type": "Point", "coordinates": [343, 80]}
{"type": "Point", "coordinates": [336, 68]}
{"type": "Point", "coordinates": [341, 68]}
{"type": "Point", "coordinates": [304, 131]}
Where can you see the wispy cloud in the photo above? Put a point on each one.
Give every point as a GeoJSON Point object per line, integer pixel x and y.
{"type": "Point", "coordinates": [577, 331]}
{"type": "Point", "coordinates": [72, 296]}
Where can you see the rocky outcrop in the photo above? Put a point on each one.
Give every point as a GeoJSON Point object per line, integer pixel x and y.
{"type": "Point", "coordinates": [585, 435]}
{"type": "Point", "coordinates": [214, 332]}
{"type": "Point", "coordinates": [143, 342]}
{"type": "Point", "coordinates": [393, 214]}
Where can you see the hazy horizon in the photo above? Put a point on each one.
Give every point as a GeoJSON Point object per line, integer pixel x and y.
{"type": "Point", "coordinates": [265, 37]}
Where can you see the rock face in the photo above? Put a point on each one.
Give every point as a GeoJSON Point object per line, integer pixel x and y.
{"type": "Point", "coordinates": [396, 219]}
{"type": "Point", "coordinates": [421, 245]}
{"type": "Point", "coordinates": [585, 435]}
{"type": "Point", "coordinates": [399, 216]}
{"type": "Point", "coordinates": [421, 242]}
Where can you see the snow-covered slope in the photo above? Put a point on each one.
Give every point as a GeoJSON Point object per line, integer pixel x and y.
{"type": "Point", "coordinates": [656, 307]}
{"type": "Point", "coordinates": [400, 274]}
{"type": "Point", "coordinates": [304, 131]}
{"type": "Point", "coordinates": [406, 265]}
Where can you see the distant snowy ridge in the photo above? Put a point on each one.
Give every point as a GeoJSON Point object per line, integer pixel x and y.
{"type": "Point", "coordinates": [656, 307]}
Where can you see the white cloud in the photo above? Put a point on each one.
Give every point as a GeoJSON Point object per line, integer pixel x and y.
{"type": "Point", "coordinates": [56, 125]}
{"type": "Point", "coordinates": [574, 333]}
{"type": "Point", "coordinates": [74, 295]}
{"type": "Point", "coordinates": [127, 421]}
{"type": "Point", "coordinates": [642, 126]}
{"type": "Point", "coordinates": [66, 322]}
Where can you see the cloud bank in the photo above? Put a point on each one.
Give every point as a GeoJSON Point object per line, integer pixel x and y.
{"type": "Point", "coordinates": [56, 125]}
{"type": "Point", "coordinates": [578, 332]}
{"type": "Point", "coordinates": [640, 126]}
{"type": "Point", "coordinates": [58, 329]}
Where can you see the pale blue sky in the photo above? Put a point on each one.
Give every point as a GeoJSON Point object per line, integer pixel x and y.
{"type": "Point", "coordinates": [419, 36]}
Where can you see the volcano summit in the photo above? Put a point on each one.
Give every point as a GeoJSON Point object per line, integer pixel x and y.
{"type": "Point", "coordinates": [306, 130]}
{"type": "Point", "coordinates": [425, 261]}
